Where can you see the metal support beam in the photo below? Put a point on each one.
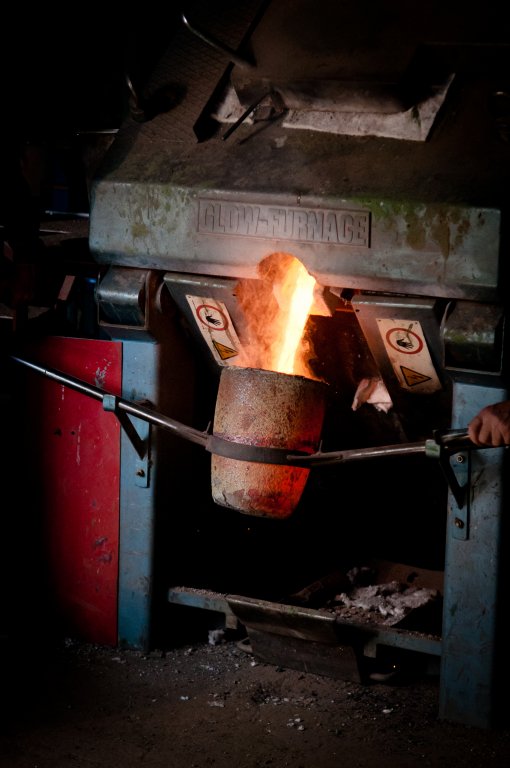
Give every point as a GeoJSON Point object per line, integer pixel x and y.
{"type": "Point", "coordinates": [473, 572]}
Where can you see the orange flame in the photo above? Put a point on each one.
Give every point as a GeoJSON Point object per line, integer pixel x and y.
{"type": "Point", "coordinates": [276, 310]}
{"type": "Point", "coordinates": [295, 300]}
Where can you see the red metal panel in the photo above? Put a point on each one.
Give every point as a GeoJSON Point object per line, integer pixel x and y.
{"type": "Point", "coordinates": [77, 459]}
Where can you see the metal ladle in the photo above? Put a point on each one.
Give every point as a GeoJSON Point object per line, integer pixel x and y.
{"type": "Point", "coordinates": [441, 446]}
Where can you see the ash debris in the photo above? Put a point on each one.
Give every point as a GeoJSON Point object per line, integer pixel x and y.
{"type": "Point", "coordinates": [387, 603]}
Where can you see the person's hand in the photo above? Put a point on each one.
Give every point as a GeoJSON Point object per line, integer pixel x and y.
{"type": "Point", "coordinates": [491, 426]}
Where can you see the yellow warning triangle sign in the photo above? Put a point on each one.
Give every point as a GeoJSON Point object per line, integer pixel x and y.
{"type": "Point", "coordinates": [412, 378]}
{"type": "Point", "coordinates": [223, 351]}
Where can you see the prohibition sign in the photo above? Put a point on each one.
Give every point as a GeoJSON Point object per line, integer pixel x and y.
{"type": "Point", "coordinates": [212, 317]}
{"type": "Point", "coordinates": [404, 340]}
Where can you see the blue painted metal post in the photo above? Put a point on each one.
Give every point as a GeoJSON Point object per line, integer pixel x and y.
{"type": "Point", "coordinates": [137, 507]}
{"type": "Point", "coordinates": [472, 574]}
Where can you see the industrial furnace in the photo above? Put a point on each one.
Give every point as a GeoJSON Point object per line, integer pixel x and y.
{"type": "Point", "coordinates": [302, 250]}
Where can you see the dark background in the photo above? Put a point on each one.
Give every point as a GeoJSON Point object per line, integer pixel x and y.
{"type": "Point", "coordinates": [66, 72]}
{"type": "Point", "coordinates": [63, 89]}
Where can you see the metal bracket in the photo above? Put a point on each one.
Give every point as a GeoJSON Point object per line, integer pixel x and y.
{"type": "Point", "coordinates": [455, 468]}
{"type": "Point", "coordinates": [460, 467]}
{"type": "Point", "coordinates": [140, 444]}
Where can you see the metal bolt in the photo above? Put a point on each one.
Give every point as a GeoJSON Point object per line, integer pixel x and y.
{"type": "Point", "coordinates": [460, 458]}
{"type": "Point", "coordinates": [140, 472]}
{"type": "Point", "coordinates": [459, 523]}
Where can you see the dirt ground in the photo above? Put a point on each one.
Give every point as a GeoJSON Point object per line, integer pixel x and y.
{"type": "Point", "coordinates": [73, 705]}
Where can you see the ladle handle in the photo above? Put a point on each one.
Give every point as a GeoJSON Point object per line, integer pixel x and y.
{"type": "Point", "coordinates": [453, 440]}
{"type": "Point", "coordinates": [448, 441]}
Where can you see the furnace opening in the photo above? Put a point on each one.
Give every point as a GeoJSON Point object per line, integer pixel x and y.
{"type": "Point", "coordinates": [276, 309]}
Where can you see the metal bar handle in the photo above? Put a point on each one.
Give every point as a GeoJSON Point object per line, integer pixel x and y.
{"type": "Point", "coordinates": [127, 406]}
